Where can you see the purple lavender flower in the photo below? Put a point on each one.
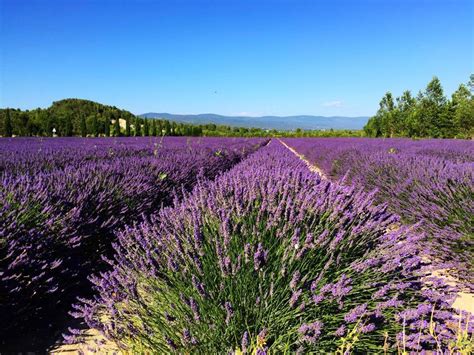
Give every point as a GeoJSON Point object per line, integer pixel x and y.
{"type": "Point", "coordinates": [198, 286]}
{"type": "Point", "coordinates": [247, 248]}
{"type": "Point", "coordinates": [69, 338]}
{"type": "Point", "coordinates": [310, 332]}
{"type": "Point", "coordinates": [341, 331]}
{"type": "Point", "coordinates": [245, 342]}
{"type": "Point", "coordinates": [294, 298]}
{"type": "Point", "coordinates": [318, 299]}
{"type": "Point", "coordinates": [355, 313]}
{"type": "Point", "coordinates": [171, 343]}
{"type": "Point", "coordinates": [195, 308]}
{"type": "Point", "coordinates": [187, 336]}
{"type": "Point", "coordinates": [367, 328]}
{"type": "Point", "coordinates": [295, 279]}
{"type": "Point", "coordinates": [229, 311]}
{"type": "Point", "coordinates": [260, 257]}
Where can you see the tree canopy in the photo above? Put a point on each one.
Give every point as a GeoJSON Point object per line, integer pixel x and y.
{"type": "Point", "coordinates": [430, 114]}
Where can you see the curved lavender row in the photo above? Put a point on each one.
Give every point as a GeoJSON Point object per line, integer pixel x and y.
{"type": "Point", "coordinates": [267, 257]}
{"type": "Point", "coordinates": [58, 220]}
{"type": "Point", "coordinates": [428, 181]}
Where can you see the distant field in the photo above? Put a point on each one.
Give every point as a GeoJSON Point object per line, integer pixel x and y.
{"type": "Point", "coordinates": [213, 245]}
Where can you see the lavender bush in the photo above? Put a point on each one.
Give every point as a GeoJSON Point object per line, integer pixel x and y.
{"type": "Point", "coordinates": [429, 182]}
{"type": "Point", "coordinates": [269, 257]}
{"type": "Point", "coordinates": [62, 199]}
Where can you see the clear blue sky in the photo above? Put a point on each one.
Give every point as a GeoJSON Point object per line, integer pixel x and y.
{"type": "Point", "coordinates": [253, 57]}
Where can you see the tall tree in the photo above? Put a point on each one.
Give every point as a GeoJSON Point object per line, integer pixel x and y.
{"type": "Point", "coordinates": [138, 127]}
{"type": "Point", "coordinates": [8, 124]}
{"type": "Point", "coordinates": [83, 126]}
{"type": "Point", "coordinates": [167, 128]}
{"type": "Point", "coordinates": [388, 115]}
{"type": "Point", "coordinates": [127, 126]}
{"type": "Point", "coordinates": [146, 128]}
{"type": "Point", "coordinates": [117, 127]}
{"type": "Point", "coordinates": [24, 119]}
{"type": "Point", "coordinates": [107, 126]}
{"type": "Point", "coordinates": [462, 104]}
{"type": "Point", "coordinates": [433, 105]}
{"type": "Point", "coordinates": [406, 106]}
{"type": "Point", "coordinates": [49, 124]}
{"type": "Point", "coordinates": [153, 128]}
{"type": "Point", "coordinates": [159, 127]}
{"type": "Point", "coordinates": [95, 125]}
{"type": "Point", "coordinates": [470, 84]}
{"type": "Point", "coordinates": [68, 129]}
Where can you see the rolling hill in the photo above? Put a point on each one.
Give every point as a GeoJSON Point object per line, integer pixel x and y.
{"type": "Point", "coordinates": [268, 122]}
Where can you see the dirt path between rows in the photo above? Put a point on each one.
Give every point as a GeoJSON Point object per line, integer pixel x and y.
{"type": "Point", "coordinates": [91, 341]}
{"type": "Point", "coordinates": [310, 166]}
{"type": "Point", "coordinates": [464, 300]}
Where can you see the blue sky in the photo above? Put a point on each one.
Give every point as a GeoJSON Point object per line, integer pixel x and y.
{"type": "Point", "coordinates": [256, 57]}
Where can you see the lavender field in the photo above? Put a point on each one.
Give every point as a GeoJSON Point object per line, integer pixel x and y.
{"type": "Point", "coordinates": [237, 245]}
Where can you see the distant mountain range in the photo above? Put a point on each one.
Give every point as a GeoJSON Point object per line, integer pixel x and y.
{"type": "Point", "coordinates": [268, 122]}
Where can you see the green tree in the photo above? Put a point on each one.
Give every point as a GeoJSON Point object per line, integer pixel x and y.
{"type": "Point", "coordinates": [107, 127]}
{"type": "Point", "coordinates": [138, 127]}
{"type": "Point", "coordinates": [462, 104]}
{"type": "Point", "coordinates": [68, 129]}
{"type": "Point", "coordinates": [146, 128]}
{"type": "Point", "coordinates": [23, 121]}
{"type": "Point", "coordinates": [406, 107]}
{"type": "Point", "coordinates": [127, 126]}
{"type": "Point", "coordinates": [432, 117]}
{"type": "Point", "coordinates": [373, 127]}
{"type": "Point", "coordinates": [167, 128]}
{"type": "Point", "coordinates": [83, 127]}
{"type": "Point", "coordinates": [8, 124]}
{"type": "Point", "coordinates": [154, 131]}
{"type": "Point", "coordinates": [117, 127]}
{"type": "Point", "coordinates": [159, 127]}
{"type": "Point", "coordinates": [49, 125]}
{"type": "Point", "coordinates": [95, 126]}
{"type": "Point", "coordinates": [387, 115]}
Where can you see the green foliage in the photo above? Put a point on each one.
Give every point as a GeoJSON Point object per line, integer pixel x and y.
{"type": "Point", "coordinates": [76, 117]}
{"type": "Point", "coordinates": [95, 126]}
{"type": "Point", "coordinates": [138, 127]}
{"type": "Point", "coordinates": [430, 114]}
{"type": "Point", "coordinates": [127, 127]}
{"type": "Point", "coordinates": [8, 124]}
{"type": "Point", "coordinates": [83, 126]}
{"type": "Point", "coordinates": [117, 127]}
{"type": "Point", "coordinates": [146, 128]}
{"type": "Point", "coordinates": [107, 128]}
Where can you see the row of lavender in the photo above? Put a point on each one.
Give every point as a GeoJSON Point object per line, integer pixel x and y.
{"type": "Point", "coordinates": [270, 257]}
{"type": "Point", "coordinates": [426, 182]}
{"type": "Point", "coordinates": [62, 199]}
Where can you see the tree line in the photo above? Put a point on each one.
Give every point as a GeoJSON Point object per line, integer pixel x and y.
{"type": "Point", "coordinates": [77, 117]}
{"type": "Point", "coordinates": [429, 114]}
